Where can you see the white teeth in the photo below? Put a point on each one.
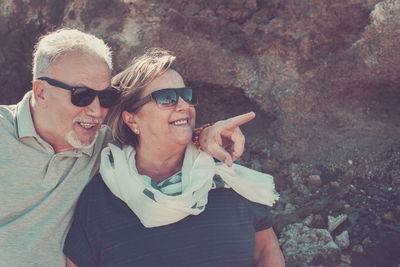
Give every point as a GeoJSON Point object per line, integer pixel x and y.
{"type": "Point", "coordinates": [180, 122]}
{"type": "Point", "coordinates": [86, 122]}
{"type": "Point", "coordinates": [87, 125]}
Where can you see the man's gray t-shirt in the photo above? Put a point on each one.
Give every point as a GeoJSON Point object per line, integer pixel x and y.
{"type": "Point", "coordinates": [39, 189]}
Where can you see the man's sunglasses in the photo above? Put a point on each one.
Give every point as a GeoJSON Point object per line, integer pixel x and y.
{"type": "Point", "coordinates": [83, 96]}
{"type": "Point", "coordinates": [168, 97]}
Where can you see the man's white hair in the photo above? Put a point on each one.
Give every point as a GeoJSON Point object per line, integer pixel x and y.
{"type": "Point", "coordinates": [62, 41]}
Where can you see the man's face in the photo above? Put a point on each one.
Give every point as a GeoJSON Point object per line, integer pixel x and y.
{"type": "Point", "coordinates": [70, 126]}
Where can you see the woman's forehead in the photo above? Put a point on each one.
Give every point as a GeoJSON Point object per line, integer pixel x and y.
{"type": "Point", "coordinates": [169, 79]}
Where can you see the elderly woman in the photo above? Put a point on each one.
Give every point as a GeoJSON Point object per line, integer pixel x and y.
{"type": "Point", "coordinates": [158, 200]}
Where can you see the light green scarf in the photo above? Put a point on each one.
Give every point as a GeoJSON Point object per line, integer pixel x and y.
{"type": "Point", "coordinates": [189, 197]}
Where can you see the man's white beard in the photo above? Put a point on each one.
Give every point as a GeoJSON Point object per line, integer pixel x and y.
{"type": "Point", "coordinates": [74, 141]}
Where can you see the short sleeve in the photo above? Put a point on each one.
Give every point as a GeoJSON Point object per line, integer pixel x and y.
{"type": "Point", "coordinates": [77, 246]}
{"type": "Point", "coordinates": [263, 218]}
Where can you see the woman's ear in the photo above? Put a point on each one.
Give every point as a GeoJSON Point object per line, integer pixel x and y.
{"type": "Point", "coordinates": [130, 121]}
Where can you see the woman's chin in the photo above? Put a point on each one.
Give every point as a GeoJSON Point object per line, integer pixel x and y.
{"type": "Point", "coordinates": [182, 135]}
{"type": "Point", "coordinates": [184, 140]}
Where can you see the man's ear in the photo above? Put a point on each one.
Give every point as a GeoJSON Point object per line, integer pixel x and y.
{"type": "Point", "coordinates": [130, 121]}
{"type": "Point", "coordinates": [39, 93]}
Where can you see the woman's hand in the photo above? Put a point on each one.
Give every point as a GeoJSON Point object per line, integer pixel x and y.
{"type": "Point", "coordinates": [224, 140]}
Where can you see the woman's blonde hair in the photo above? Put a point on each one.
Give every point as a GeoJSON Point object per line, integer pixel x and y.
{"type": "Point", "coordinates": [132, 82]}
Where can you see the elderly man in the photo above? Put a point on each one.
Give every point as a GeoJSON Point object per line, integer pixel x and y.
{"type": "Point", "coordinates": [51, 140]}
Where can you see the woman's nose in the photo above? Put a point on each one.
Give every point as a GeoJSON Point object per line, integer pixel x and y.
{"type": "Point", "coordinates": [182, 104]}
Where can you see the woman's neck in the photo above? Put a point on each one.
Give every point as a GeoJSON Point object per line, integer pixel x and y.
{"type": "Point", "coordinates": [158, 164]}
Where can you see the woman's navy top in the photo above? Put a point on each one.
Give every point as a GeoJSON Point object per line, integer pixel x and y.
{"type": "Point", "coordinates": [105, 232]}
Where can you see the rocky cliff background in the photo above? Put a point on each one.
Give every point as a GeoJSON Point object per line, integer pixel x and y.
{"type": "Point", "coordinates": [323, 77]}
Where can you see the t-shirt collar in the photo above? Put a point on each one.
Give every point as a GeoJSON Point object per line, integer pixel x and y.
{"type": "Point", "coordinates": [24, 124]}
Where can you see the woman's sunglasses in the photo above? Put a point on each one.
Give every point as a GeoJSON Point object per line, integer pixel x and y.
{"type": "Point", "coordinates": [83, 96]}
{"type": "Point", "coordinates": [168, 97]}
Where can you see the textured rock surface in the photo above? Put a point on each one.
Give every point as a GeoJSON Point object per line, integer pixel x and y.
{"type": "Point", "coordinates": [334, 222]}
{"type": "Point", "coordinates": [342, 240]}
{"type": "Point", "coordinates": [307, 246]}
{"type": "Point", "coordinates": [322, 75]}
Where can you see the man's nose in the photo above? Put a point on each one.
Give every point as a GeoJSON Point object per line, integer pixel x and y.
{"type": "Point", "coordinates": [94, 108]}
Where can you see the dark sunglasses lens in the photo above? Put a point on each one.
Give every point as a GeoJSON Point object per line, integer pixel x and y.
{"type": "Point", "coordinates": [109, 98]}
{"type": "Point", "coordinates": [187, 95]}
{"type": "Point", "coordinates": [165, 98]}
{"type": "Point", "coordinates": [82, 97]}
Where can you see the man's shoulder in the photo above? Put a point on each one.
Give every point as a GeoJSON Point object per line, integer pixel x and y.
{"type": "Point", "coordinates": [8, 111]}
{"type": "Point", "coordinates": [7, 116]}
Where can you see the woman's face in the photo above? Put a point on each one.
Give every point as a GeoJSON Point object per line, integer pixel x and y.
{"type": "Point", "coordinates": [164, 126]}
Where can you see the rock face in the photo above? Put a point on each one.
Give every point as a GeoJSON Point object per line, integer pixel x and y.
{"type": "Point", "coordinates": [304, 246]}
{"type": "Point", "coordinates": [322, 75]}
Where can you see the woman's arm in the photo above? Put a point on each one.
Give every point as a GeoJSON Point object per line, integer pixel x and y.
{"type": "Point", "coordinates": [267, 252]}
{"type": "Point", "coordinates": [70, 263]}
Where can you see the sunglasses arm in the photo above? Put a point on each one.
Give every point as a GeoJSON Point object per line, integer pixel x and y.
{"type": "Point", "coordinates": [56, 83]}
{"type": "Point", "coordinates": [140, 103]}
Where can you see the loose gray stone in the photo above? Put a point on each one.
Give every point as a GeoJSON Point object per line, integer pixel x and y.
{"type": "Point", "coordinates": [314, 179]}
{"type": "Point", "coordinates": [308, 220]}
{"type": "Point", "coordinates": [343, 240]}
{"type": "Point", "coordinates": [358, 248]}
{"type": "Point", "coordinates": [334, 222]}
{"type": "Point", "coordinates": [302, 244]}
